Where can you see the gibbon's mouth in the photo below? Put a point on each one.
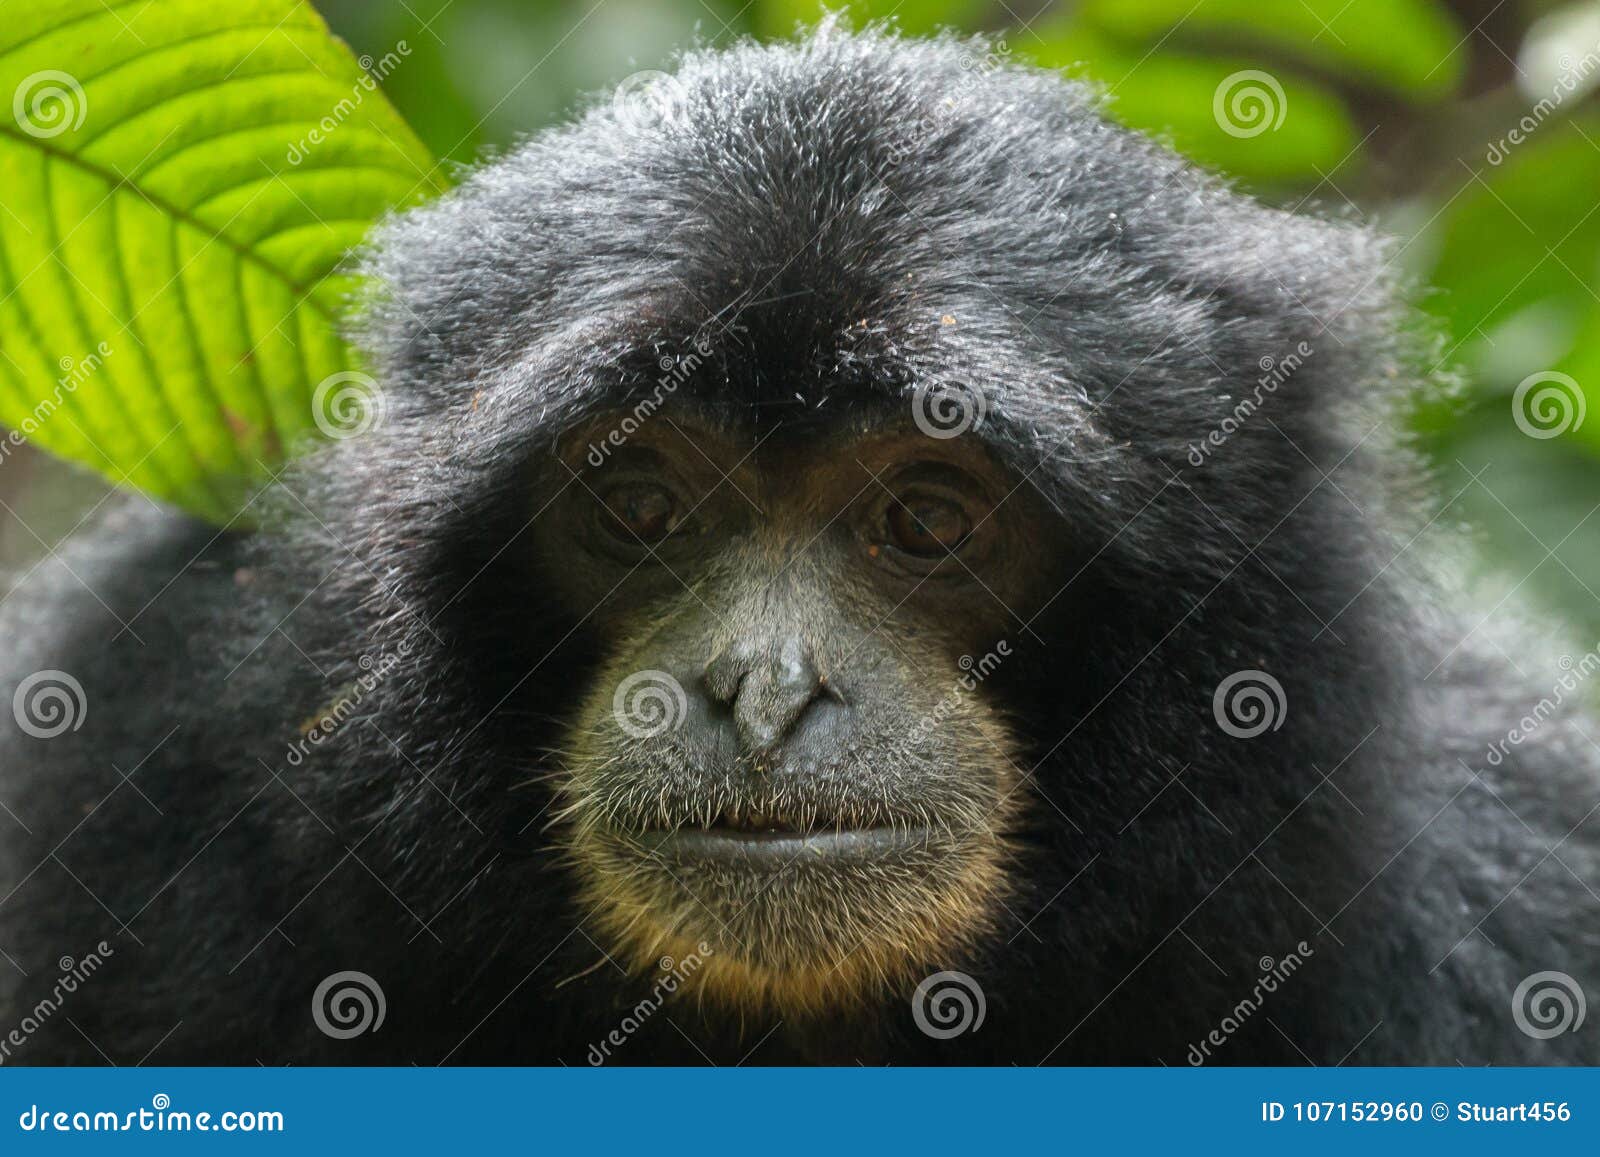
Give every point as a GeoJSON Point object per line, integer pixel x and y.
{"type": "Point", "coordinates": [807, 912]}
{"type": "Point", "coordinates": [770, 842]}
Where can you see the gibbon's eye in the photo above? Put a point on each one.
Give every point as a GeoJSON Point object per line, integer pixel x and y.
{"type": "Point", "coordinates": [926, 526]}
{"type": "Point", "coordinates": [641, 512]}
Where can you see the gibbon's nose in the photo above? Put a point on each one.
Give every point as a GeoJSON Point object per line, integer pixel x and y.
{"type": "Point", "coordinates": [769, 686]}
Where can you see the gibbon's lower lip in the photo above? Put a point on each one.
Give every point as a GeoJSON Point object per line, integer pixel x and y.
{"type": "Point", "coordinates": [772, 850]}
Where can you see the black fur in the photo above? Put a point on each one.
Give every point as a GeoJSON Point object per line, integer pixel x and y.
{"type": "Point", "coordinates": [823, 207]}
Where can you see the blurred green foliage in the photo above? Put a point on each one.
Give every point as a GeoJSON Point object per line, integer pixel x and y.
{"type": "Point", "coordinates": [1466, 127]}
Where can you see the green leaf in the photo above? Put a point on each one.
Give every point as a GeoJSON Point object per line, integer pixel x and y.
{"type": "Point", "coordinates": [1523, 229]}
{"type": "Point", "coordinates": [1517, 268]}
{"type": "Point", "coordinates": [1413, 47]}
{"type": "Point", "coordinates": [183, 180]}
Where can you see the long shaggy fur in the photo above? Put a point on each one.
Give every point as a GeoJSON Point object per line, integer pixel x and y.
{"type": "Point", "coordinates": [832, 202]}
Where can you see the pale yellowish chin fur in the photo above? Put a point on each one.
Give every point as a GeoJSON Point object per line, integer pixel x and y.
{"type": "Point", "coordinates": [836, 948]}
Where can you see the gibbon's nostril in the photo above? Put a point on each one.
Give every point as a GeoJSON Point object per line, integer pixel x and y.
{"type": "Point", "coordinates": [724, 674]}
{"type": "Point", "coordinates": [769, 688]}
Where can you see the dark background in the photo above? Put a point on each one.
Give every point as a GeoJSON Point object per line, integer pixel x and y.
{"type": "Point", "coordinates": [1394, 111]}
